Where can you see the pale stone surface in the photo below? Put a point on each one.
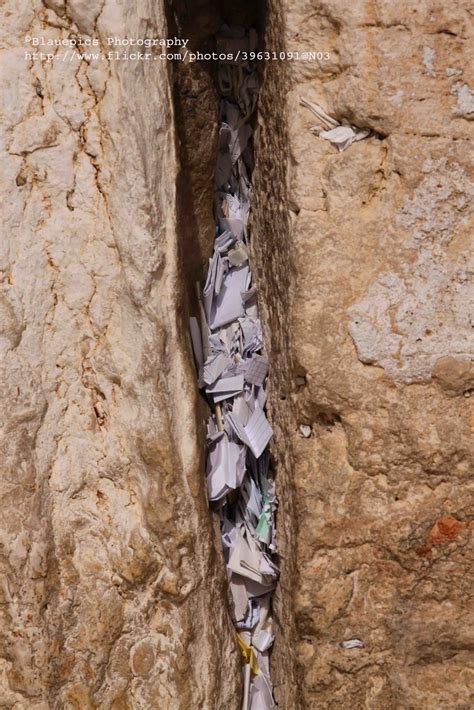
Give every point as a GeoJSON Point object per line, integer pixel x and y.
{"type": "Point", "coordinates": [409, 319]}
{"type": "Point", "coordinates": [112, 580]}
{"type": "Point", "coordinates": [381, 330]}
{"type": "Point", "coordinates": [112, 585]}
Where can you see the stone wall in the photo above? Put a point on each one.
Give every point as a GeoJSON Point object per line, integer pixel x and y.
{"type": "Point", "coordinates": [112, 585]}
{"type": "Point", "coordinates": [380, 331]}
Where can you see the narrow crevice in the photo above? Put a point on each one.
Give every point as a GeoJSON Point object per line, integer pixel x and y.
{"type": "Point", "coordinates": [196, 107]}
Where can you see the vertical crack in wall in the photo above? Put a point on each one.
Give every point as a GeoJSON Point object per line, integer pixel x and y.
{"type": "Point", "coordinates": [196, 118]}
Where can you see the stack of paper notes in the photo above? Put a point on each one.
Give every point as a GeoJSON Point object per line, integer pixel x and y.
{"type": "Point", "coordinates": [227, 343]}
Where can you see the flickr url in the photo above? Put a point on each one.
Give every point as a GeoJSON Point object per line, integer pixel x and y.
{"type": "Point", "coordinates": [184, 56]}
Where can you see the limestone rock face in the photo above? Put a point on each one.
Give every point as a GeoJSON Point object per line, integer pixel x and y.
{"type": "Point", "coordinates": [112, 584]}
{"type": "Point", "coordinates": [382, 338]}
{"type": "Point", "coordinates": [112, 580]}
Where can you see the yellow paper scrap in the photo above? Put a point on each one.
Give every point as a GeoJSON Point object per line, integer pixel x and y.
{"type": "Point", "coordinates": [248, 654]}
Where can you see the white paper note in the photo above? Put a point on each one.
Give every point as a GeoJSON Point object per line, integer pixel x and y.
{"type": "Point", "coordinates": [226, 468]}
{"type": "Point", "coordinates": [257, 370]}
{"type": "Point", "coordinates": [256, 434]}
{"type": "Point", "coordinates": [227, 306]}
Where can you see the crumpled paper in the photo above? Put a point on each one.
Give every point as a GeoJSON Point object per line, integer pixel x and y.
{"type": "Point", "coordinates": [342, 135]}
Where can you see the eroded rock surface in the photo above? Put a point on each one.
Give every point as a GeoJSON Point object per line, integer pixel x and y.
{"type": "Point", "coordinates": [112, 579]}
{"type": "Point", "coordinates": [112, 586]}
{"type": "Point", "coordinates": [382, 340]}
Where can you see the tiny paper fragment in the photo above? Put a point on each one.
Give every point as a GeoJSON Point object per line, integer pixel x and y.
{"type": "Point", "coordinates": [352, 643]}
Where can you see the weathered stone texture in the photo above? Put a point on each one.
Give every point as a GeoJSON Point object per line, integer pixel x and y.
{"type": "Point", "coordinates": [112, 585]}
{"type": "Point", "coordinates": [111, 575]}
{"type": "Point", "coordinates": [381, 330]}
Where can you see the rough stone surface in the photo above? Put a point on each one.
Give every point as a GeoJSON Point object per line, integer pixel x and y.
{"type": "Point", "coordinates": [381, 334]}
{"type": "Point", "coordinates": [112, 584]}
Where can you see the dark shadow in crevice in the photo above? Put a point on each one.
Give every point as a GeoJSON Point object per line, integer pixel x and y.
{"type": "Point", "coordinates": [196, 105]}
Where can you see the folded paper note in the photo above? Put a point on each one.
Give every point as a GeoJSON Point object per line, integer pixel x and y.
{"type": "Point", "coordinates": [227, 306]}
{"type": "Point", "coordinates": [342, 135]}
{"type": "Point", "coordinates": [257, 370]}
{"type": "Point", "coordinates": [226, 468]}
{"type": "Point", "coordinates": [257, 432]}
